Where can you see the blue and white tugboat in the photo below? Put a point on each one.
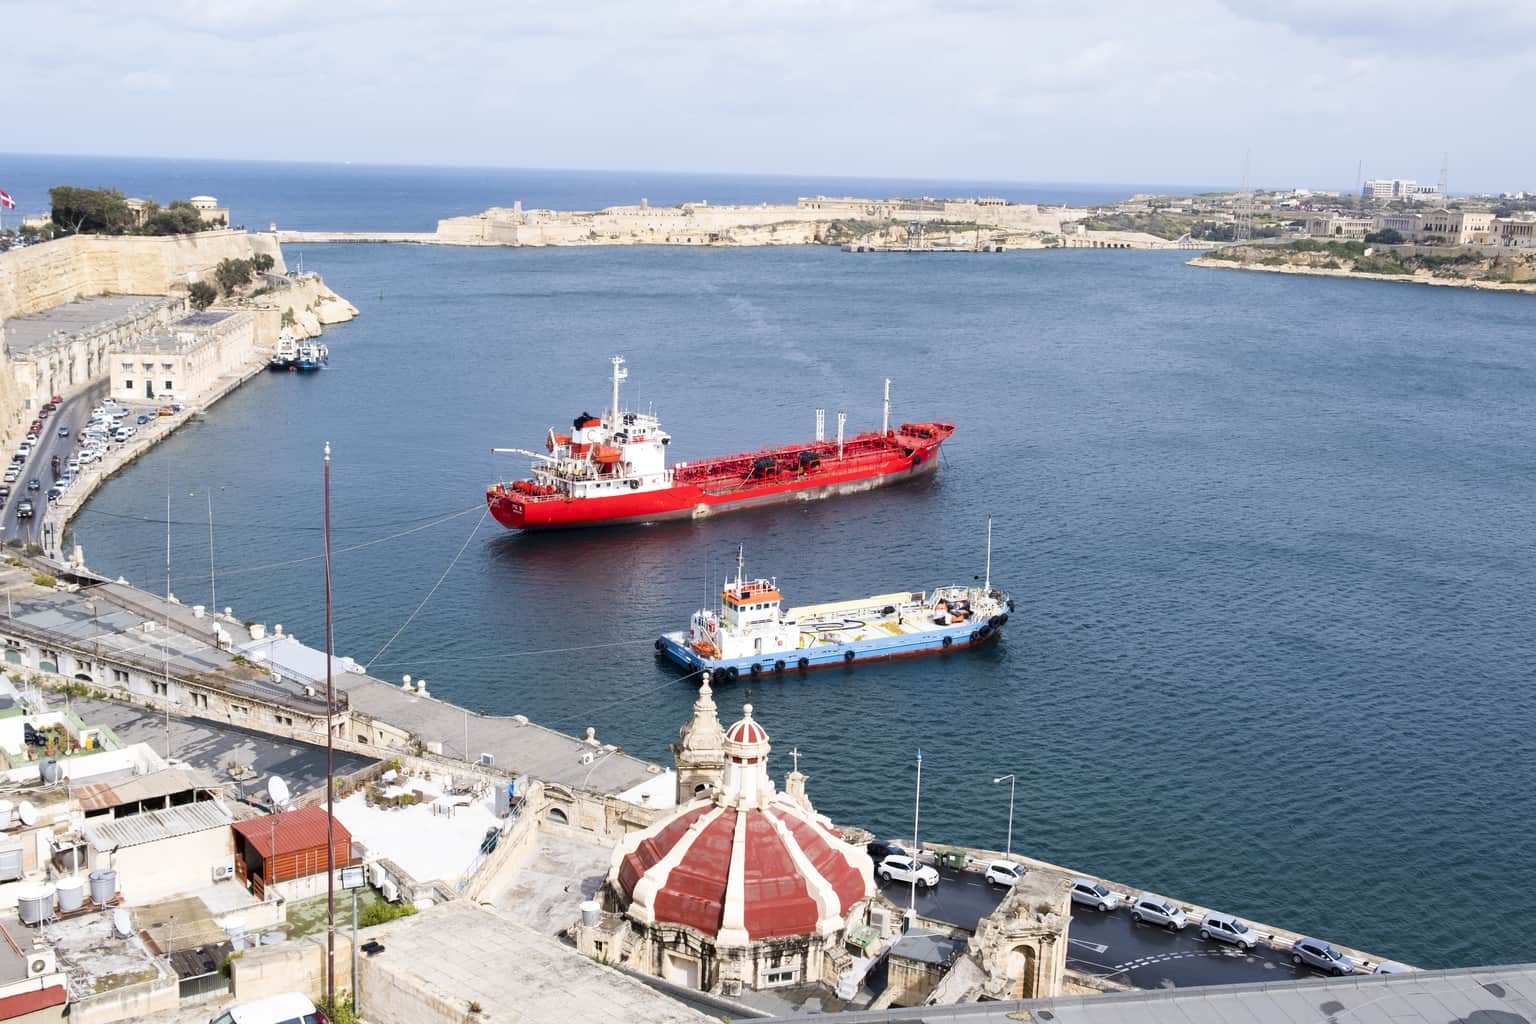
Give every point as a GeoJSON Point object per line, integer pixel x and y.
{"type": "Point", "coordinates": [751, 633]}
{"type": "Point", "coordinates": [312, 356]}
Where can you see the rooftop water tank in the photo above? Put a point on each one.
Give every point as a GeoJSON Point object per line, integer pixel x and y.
{"type": "Point", "coordinates": [71, 892]}
{"type": "Point", "coordinates": [34, 902]}
{"type": "Point", "coordinates": [590, 912]}
{"type": "Point", "coordinates": [50, 770]}
{"type": "Point", "coordinates": [10, 863]}
{"type": "Point", "coordinates": [103, 886]}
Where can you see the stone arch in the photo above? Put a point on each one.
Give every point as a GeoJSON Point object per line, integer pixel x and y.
{"type": "Point", "coordinates": [703, 789]}
{"type": "Point", "coordinates": [1022, 964]}
{"type": "Point", "coordinates": [84, 677]}
{"type": "Point", "coordinates": [557, 817]}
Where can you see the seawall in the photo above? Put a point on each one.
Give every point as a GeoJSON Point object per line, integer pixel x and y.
{"type": "Point", "coordinates": [1419, 277]}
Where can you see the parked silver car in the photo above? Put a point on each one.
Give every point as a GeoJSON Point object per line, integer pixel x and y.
{"type": "Point", "coordinates": [1095, 894]}
{"type": "Point", "coordinates": [1317, 953]}
{"type": "Point", "coordinates": [1159, 911]}
{"type": "Point", "coordinates": [1228, 929]}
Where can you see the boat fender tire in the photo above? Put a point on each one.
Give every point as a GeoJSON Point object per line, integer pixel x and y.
{"type": "Point", "coordinates": [757, 668]}
{"type": "Point", "coordinates": [948, 640]}
{"type": "Point", "coordinates": [804, 663]}
{"type": "Point", "coordinates": [847, 655]}
{"type": "Point", "coordinates": [778, 666]}
{"type": "Point", "coordinates": [733, 672]}
{"type": "Point", "coordinates": [659, 645]}
{"type": "Point", "coordinates": [1002, 620]}
{"type": "Point", "coordinates": [975, 635]}
{"type": "Point", "coordinates": [984, 632]}
{"type": "Point", "coordinates": [634, 485]}
{"type": "Point", "coordinates": [1010, 604]}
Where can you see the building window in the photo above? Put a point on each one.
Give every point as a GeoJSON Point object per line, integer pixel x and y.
{"type": "Point", "coordinates": [779, 976]}
{"type": "Point", "coordinates": [200, 700]}
{"type": "Point", "coordinates": [284, 720]}
{"type": "Point", "coordinates": [169, 386]}
{"type": "Point", "coordinates": [127, 385]}
{"type": "Point", "coordinates": [119, 676]}
{"type": "Point", "coordinates": [160, 689]}
{"type": "Point", "coordinates": [239, 709]}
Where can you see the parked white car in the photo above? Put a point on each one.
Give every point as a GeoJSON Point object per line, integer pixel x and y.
{"type": "Point", "coordinates": [1227, 928]}
{"type": "Point", "coordinates": [290, 1008]}
{"type": "Point", "coordinates": [1155, 910]}
{"type": "Point", "coordinates": [905, 869]}
{"type": "Point", "coordinates": [1004, 872]}
{"type": "Point", "coordinates": [1096, 894]}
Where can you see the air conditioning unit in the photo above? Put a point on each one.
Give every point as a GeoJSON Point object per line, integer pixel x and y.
{"type": "Point", "coordinates": [586, 757]}
{"type": "Point", "coordinates": [488, 760]}
{"type": "Point", "coordinates": [40, 962]}
{"type": "Point", "coordinates": [223, 872]}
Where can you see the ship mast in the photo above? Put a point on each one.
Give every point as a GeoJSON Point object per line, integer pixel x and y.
{"type": "Point", "coordinates": [739, 561]}
{"type": "Point", "coordinates": [987, 583]}
{"type": "Point", "coordinates": [885, 421]}
{"type": "Point", "coordinates": [619, 373]}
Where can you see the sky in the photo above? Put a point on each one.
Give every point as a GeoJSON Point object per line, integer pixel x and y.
{"type": "Point", "coordinates": [1303, 92]}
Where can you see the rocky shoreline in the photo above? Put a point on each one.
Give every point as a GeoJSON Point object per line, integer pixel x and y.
{"type": "Point", "coordinates": [1418, 277]}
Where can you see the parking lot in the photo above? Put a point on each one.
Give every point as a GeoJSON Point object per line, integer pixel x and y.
{"type": "Point", "coordinates": [72, 414]}
{"type": "Point", "coordinates": [1110, 945]}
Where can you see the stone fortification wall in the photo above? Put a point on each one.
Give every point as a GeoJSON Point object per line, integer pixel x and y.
{"type": "Point", "coordinates": [42, 276]}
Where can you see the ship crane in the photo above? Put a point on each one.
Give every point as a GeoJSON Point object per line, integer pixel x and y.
{"type": "Point", "coordinates": [524, 451]}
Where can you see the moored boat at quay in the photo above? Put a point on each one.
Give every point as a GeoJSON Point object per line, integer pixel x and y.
{"type": "Point", "coordinates": [286, 353]}
{"type": "Point", "coordinates": [612, 469]}
{"type": "Point", "coordinates": [751, 634]}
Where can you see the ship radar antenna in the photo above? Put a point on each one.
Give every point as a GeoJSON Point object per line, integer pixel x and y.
{"type": "Point", "coordinates": [619, 374]}
{"type": "Point", "coordinates": [740, 548]}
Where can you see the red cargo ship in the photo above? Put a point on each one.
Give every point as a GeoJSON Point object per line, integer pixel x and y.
{"type": "Point", "coordinates": [613, 469]}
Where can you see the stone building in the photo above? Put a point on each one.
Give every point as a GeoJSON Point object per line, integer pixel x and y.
{"type": "Point", "coordinates": [1019, 951]}
{"type": "Point", "coordinates": [186, 361]}
{"type": "Point", "coordinates": [741, 886]}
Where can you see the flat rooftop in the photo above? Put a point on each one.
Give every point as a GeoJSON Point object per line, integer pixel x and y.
{"type": "Point", "coordinates": [1494, 995]}
{"type": "Point", "coordinates": [211, 746]}
{"type": "Point", "coordinates": [517, 745]}
{"type": "Point", "coordinates": [24, 334]}
{"type": "Point", "coordinates": [511, 970]}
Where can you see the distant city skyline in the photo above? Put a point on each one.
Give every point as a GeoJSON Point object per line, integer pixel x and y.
{"type": "Point", "coordinates": [964, 90]}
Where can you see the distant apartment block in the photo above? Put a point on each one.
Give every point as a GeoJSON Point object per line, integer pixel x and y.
{"type": "Point", "coordinates": [1399, 188]}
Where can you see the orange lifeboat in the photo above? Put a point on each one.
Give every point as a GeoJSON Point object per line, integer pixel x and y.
{"type": "Point", "coordinates": [605, 454]}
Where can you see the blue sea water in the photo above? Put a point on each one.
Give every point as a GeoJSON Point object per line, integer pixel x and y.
{"type": "Point", "coordinates": [1270, 539]}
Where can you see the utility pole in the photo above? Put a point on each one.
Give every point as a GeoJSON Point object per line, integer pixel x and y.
{"type": "Point", "coordinates": [1242, 226]}
{"type": "Point", "coordinates": [330, 765]}
{"type": "Point", "coordinates": [917, 805]}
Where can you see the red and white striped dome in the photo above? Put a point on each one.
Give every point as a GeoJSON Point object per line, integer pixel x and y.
{"type": "Point", "coordinates": [746, 732]}
{"type": "Point", "coordinates": [742, 874]}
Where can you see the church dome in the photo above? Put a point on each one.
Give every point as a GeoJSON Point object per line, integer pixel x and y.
{"type": "Point", "coordinates": [744, 864]}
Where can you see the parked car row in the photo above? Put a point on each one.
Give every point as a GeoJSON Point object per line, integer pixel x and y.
{"type": "Point", "coordinates": [1154, 910]}
{"type": "Point", "coordinates": [895, 863]}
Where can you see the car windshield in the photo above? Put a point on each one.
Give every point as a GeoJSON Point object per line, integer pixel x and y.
{"type": "Point", "coordinates": [1239, 927]}
{"type": "Point", "coordinates": [1332, 954]}
{"type": "Point", "coordinates": [1099, 889]}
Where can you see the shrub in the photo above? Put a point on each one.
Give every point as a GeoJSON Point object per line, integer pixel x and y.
{"type": "Point", "coordinates": [381, 912]}
{"type": "Point", "coordinates": [44, 580]}
{"type": "Point", "coordinates": [201, 294]}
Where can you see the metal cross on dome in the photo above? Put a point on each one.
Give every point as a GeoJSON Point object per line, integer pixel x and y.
{"type": "Point", "coordinates": [795, 754]}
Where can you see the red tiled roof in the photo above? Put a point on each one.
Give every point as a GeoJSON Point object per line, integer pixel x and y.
{"type": "Point", "coordinates": [294, 831]}
{"type": "Point", "coordinates": [30, 1002]}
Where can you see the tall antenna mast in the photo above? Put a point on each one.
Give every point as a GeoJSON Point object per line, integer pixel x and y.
{"type": "Point", "coordinates": [1242, 226]}
{"type": "Point", "coordinates": [885, 420]}
{"type": "Point", "coordinates": [330, 765]}
{"type": "Point", "coordinates": [1445, 179]}
{"type": "Point", "coordinates": [739, 563]}
{"type": "Point", "coordinates": [987, 583]}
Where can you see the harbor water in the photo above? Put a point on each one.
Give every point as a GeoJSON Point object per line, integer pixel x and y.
{"type": "Point", "coordinates": [1270, 539]}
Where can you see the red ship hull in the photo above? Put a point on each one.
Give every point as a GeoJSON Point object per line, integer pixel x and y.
{"type": "Point", "coordinates": [705, 489]}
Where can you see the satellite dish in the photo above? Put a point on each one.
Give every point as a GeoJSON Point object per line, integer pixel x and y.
{"type": "Point", "coordinates": [26, 812]}
{"type": "Point", "coordinates": [121, 923]}
{"type": "Point", "coordinates": [277, 789]}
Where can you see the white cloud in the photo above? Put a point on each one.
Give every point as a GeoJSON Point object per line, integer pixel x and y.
{"type": "Point", "coordinates": [1119, 90]}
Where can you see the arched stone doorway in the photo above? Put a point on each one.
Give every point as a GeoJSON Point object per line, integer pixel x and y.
{"type": "Point", "coordinates": [1021, 968]}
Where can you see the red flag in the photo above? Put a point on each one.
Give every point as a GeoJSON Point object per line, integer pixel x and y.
{"type": "Point", "coordinates": [6, 201]}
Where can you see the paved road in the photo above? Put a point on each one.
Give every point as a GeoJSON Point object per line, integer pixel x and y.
{"type": "Point", "coordinates": [1111, 945]}
{"type": "Point", "coordinates": [72, 414]}
{"type": "Point", "coordinates": [962, 898]}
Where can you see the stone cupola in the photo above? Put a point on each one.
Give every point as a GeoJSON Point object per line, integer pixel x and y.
{"type": "Point", "coordinates": [700, 750]}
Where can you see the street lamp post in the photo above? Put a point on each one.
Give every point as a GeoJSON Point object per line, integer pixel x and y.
{"type": "Point", "coordinates": [917, 805]}
{"type": "Point", "coordinates": [1011, 781]}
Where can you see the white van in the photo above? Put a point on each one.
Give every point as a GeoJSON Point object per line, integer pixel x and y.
{"type": "Point", "coordinates": [289, 1008]}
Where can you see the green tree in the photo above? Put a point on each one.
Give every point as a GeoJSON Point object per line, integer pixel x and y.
{"type": "Point", "coordinates": [1386, 236]}
{"type": "Point", "coordinates": [263, 262]}
{"type": "Point", "coordinates": [101, 211]}
{"type": "Point", "coordinates": [202, 294]}
{"type": "Point", "coordinates": [180, 218]}
{"type": "Point", "coordinates": [231, 274]}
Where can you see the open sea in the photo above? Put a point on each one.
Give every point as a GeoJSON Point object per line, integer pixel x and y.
{"type": "Point", "coordinates": [1270, 536]}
